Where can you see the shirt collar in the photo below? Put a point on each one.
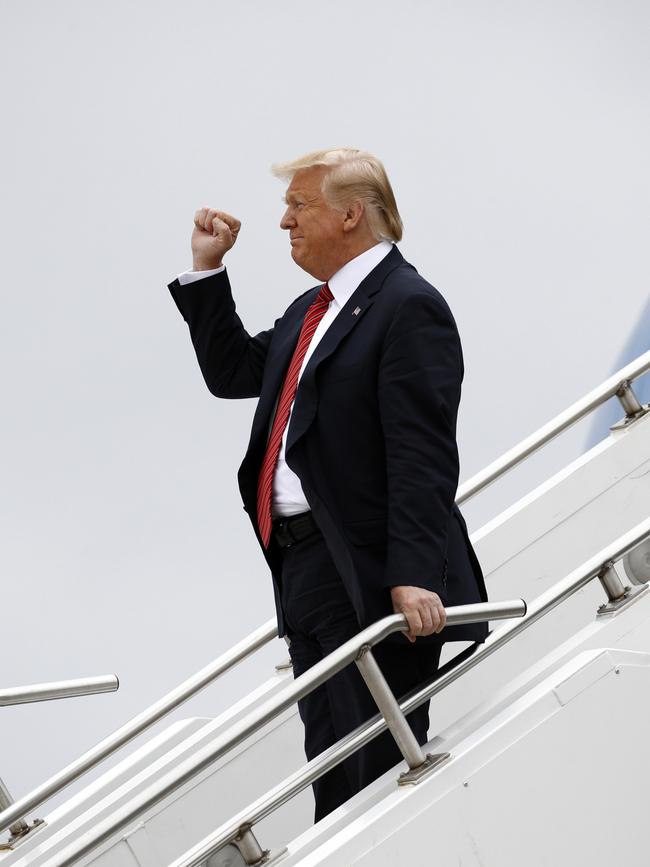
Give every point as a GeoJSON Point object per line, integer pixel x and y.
{"type": "Point", "coordinates": [344, 282]}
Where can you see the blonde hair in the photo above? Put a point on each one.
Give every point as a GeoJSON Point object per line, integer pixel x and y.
{"type": "Point", "coordinates": [354, 175]}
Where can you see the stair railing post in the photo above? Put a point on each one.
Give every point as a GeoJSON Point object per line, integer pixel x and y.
{"type": "Point", "coordinates": [418, 763]}
{"type": "Point", "coordinates": [18, 828]}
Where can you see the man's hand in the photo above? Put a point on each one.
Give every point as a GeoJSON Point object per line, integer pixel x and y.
{"type": "Point", "coordinates": [215, 232]}
{"type": "Point", "coordinates": [422, 608]}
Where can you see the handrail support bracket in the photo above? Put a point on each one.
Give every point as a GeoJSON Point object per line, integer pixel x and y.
{"type": "Point", "coordinates": [432, 762]}
{"type": "Point", "coordinates": [612, 584]}
{"type": "Point", "coordinates": [249, 848]}
{"type": "Point", "coordinates": [629, 401]}
{"type": "Point", "coordinates": [633, 409]}
{"type": "Point", "coordinates": [618, 595]}
{"type": "Point", "coordinates": [19, 828]}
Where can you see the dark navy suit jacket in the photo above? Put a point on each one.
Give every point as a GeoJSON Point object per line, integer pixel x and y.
{"type": "Point", "coordinates": [372, 435]}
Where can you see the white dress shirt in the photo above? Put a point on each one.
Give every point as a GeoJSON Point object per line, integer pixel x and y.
{"type": "Point", "coordinates": [287, 496]}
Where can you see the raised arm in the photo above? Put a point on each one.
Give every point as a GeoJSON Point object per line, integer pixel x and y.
{"type": "Point", "coordinates": [231, 361]}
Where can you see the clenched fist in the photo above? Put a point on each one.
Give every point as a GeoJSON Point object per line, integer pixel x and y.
{"type": "Point", "coordinates": [422, 608]}
{"type": "Point", "coordinates": [215, 232]}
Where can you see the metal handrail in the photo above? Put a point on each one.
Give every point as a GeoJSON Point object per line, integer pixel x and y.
{"type": "Point", "coordinates": [138, 724]}
{"type": "Point", "coordinates": [58, 689]}
{"type": "Point", "coordinates": [618, 384]}
{"type": "Point", "coordinates": [47, 692]}
{"type": "Point", "coordinates": [338, 752]}
{"type": "Point", "coordinates": [268, 710]}
{"type": "Point", "coordinates": [148, 717]}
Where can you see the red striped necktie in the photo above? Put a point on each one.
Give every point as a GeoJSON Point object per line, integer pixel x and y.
{"type": "Point", "coordinates": [314, 314]}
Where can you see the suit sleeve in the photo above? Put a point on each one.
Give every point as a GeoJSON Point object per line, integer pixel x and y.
{"type": "Point", "coordinates": [419, 385]}
{"type": "Point", "coordinates": [231, 361]}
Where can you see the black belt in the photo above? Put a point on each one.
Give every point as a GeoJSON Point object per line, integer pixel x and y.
{"type": "Point", "coordinates": [295, 528]}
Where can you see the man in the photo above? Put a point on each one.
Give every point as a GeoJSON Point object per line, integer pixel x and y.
{"type": "Point", "coordinates": [352, 466]}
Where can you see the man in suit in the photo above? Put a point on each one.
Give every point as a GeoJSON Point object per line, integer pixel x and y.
{"type": "Point", "coordinates": [352, 467]}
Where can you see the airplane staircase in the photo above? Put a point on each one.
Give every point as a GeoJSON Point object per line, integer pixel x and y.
{"type": "Point", "coordinates": [533, 733]}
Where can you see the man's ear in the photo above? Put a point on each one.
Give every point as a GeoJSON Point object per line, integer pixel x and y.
{"type": "Point", "coordinates": [353, 215]}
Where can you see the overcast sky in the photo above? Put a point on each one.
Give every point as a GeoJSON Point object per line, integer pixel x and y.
{"type": "Point", "coordinates": [516, 136]}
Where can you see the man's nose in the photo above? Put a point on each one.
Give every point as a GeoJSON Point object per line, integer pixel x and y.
{"type": "Point", "coordinates": [287, 220]}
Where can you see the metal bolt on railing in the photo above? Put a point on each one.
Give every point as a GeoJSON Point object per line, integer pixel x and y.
{"type": "Point", "coordinates": [250, 849]}
{"type": "Point", "coordinates": [629, 400]}
{"type": "Point", "coordinates": [618, 594]}
{"type": "Point", "coordinates": [612, 584]}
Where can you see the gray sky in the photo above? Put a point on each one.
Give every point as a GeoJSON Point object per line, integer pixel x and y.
{"type": "Point", "coordinates": [516, 136]}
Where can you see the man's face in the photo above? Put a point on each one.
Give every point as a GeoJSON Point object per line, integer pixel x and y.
{"type": "Point", "coordinates": [315, 230]}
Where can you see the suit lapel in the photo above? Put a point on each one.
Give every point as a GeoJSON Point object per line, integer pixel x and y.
{"type": "Point", "coordinates": [349, 316]}
{"type": "Point", "coordinates": [281, 351]}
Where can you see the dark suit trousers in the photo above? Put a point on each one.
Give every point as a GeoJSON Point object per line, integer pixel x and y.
{"type": "Point", "coordinates": [319, 617]}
